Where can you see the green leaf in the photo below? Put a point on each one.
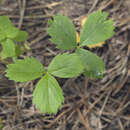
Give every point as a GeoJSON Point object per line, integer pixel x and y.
{"type": "Point", "coordinates": [66, 66]}
{"type": "Point", "coordinates": [21, 36]}
{"type": "Point", "coordinates": [8, 49]}
{"type": "Point", "coordinates": [7, 28]}
{"type": "Point", "coordinates": [96, 29]}
{"type": "Point", "coordinates": [62, 32]}
{"type": "Point", "coordinates": [5, 23]}
{"type": "Point", "coordinates": [2, 35]}
{"type": "Point", "coordinates": [12, 32]}
{"type": "Point", "coordinates": [25, 70]}
{"type": "Point", "coordinates": [93, 65]}
{"type": "Point", "coordinates": [48, 95]}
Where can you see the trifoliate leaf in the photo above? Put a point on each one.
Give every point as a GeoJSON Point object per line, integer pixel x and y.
{"type": "Point", "coordinates": [48, 95]}
{"type": "Point", "coordinates": [66, 66]}
{"type": "Point", "coordinates": [25, 70]}
{"type": "Point", "coordinates": [62, 32]}
{"type": "Point", "coordinates": [96, 29]}
{"type": "Point", "coordinates": [21, 36]}
{"type": "Point", "coordinates": [93, 65]}
{"type": "Point", "coordinates": [8, 49]}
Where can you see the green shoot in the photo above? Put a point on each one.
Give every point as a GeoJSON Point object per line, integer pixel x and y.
{"type": "Point", "coordinates": [9, 35]}
{"type": "Point", "coordinates": [48, 96]}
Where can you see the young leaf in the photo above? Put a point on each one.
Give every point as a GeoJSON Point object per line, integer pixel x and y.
{"type": "Point", "coordinates": [5, 23]}
{"type": "Point", "coordinates": [96, 29]}
{"type": "Point", "coordinates": [21, 36]}
{"type": "Point", "coordinates": [48, 95]}
{"type": "Point", "coordinates": [12, 32]}
{"type": "Point", "coordinates": [8, 29]}
{"type": "Point", "coordinates": [62, 32]}
{"type": "Point", "coordinates": [25, 70]}
{"type": "Point", "coordinates": [66, 66]}
{"type": "Point", "coordinates": [8, 49]}
{"type": "Point", "coordinates": [93, 65]}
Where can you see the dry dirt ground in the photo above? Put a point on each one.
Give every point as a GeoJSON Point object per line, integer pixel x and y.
{"type": "Point", "coordinates": [89, 105]}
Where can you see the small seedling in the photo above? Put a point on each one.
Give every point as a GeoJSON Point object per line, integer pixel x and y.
{"type": "Point", "coordinates": [48, 96]}
{"type": "Point", "coordinates": [9, 38]}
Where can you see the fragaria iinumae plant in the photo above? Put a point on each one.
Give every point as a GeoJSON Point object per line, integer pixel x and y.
{"type": "Point", "coordinates": [9, 37]}
{"type": "Point", "coordinates": [48, 96]}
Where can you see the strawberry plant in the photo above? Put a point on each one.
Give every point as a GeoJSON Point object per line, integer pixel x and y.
{"type": "Point", "coordinates": [48, 96]}
{"type": "Point", "coordinates": [9, 38]}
